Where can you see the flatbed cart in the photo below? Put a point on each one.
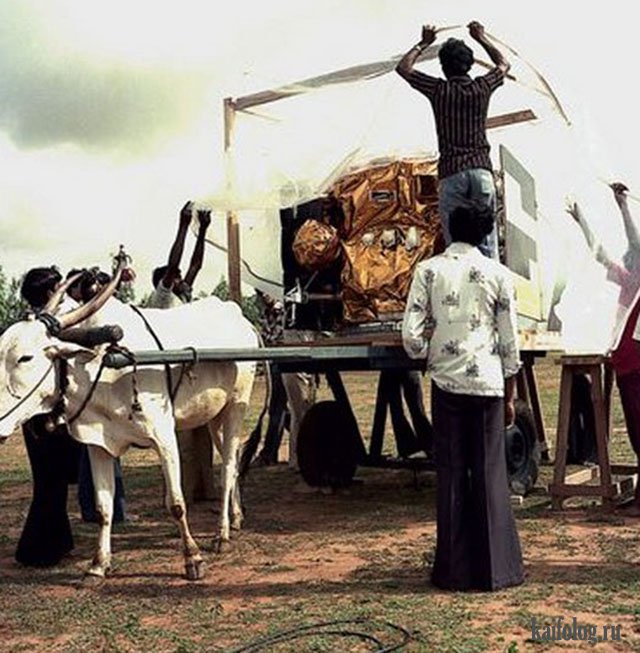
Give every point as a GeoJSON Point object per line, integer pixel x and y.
{"type": "Point", "coordinates": [330, 443]}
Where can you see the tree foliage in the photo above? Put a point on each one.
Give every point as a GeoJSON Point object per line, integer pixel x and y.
{"type": "Point", "coordinates": [126, 293]}
{"type": "Point", "coordinates": [12, 307]}
{"type": "Point", "coordinates": [249, 305]}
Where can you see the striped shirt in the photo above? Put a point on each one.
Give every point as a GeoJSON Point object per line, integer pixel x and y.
{"type": "Point", "coordinates": [460, 106]}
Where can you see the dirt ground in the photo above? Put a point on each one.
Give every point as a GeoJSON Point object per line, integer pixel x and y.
{"type": "Point", "coordinates": [360, 555]}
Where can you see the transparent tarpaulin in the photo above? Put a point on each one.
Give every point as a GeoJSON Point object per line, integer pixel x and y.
{"type": "Point", "coordinates": [289, 145]}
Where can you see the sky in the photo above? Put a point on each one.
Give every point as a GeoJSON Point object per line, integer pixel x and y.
{"type": "Point", "coordinates": [111, 113]}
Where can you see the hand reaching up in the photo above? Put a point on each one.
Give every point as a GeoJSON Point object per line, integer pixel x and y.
{"type": "Point", "coordinates": [186, 213]}
{"type": "Point", "coordinates": [620, 191]}
{"type": "Point", "coordinates": [428, 35]}
{"type": "Point", "coordinates": [204, 218]}
{"type": "Point", "coordinates": [476, 30]}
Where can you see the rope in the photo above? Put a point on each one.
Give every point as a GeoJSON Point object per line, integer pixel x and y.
{"type": "Point", "coordinates": [135, 402]}
{"type": "Point", "coordinates": [167, 368]}
{"type": "Point", "coordinates": [246, 265]}
{"type": "Point", "coordinates": [86, 400]}
{"type": "Point", "coordinates": [29, 394]}
{"type": "Point", "coordinates": [329, 628]}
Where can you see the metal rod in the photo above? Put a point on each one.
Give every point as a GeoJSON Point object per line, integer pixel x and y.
{"type": "Point", "coordinates": [386, 353]}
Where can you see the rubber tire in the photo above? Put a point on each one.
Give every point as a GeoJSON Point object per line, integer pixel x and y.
{"type": "Point", "coordinates": [327, 451]}
{"type": "Point", "coordinates": [522, 451]}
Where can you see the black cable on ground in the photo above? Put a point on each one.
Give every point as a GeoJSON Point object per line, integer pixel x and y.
{"type": "Point", "coordinates": [327, 628]}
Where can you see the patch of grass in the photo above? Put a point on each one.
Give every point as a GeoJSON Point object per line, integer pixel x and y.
{"type": "Point", "coordinates": [362, 554]}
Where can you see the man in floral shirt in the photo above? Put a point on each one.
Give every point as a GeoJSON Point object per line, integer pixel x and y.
{"type": "Point", "coordinates": [461, 318]}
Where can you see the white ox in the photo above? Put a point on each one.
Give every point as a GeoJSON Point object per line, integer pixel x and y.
{"type": "Point", "coordinates": [100, 401]}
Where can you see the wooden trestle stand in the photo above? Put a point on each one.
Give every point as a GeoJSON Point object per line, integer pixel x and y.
{"type": "Point", "coordinates": [579, 483]}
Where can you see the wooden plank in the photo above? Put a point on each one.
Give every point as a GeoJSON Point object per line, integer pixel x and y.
{"type": "Point", "coordinates": [562, 491]}
{"type": "Point", "coordinates": [344, 75]}
{"type": "Point", "coordinates": [625, 486]}
{"type": "Point", "coordinates": [601, 424]}
{"type": "Point", "coordinates": [562, 435]}
{"type": "Point", "coordinates": [582, 360]}
{"type": "Point", "coordinates": [504, 119]}
{"type": "Point", "coordinates": [233, 257]}
{"type": "Point", "coordinates": [233, 228]}
{"type": "Point", "coordinates": [536, 406]}
{"type": "Point", "coordinates": [621, 470]}
{"type": "Point", "coordinates": [582, 476]}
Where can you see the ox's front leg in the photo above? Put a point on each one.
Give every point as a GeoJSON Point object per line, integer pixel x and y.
{"type": "Point", "coordinates": [174, 500]}
{"type": "Point", "coordinates": [102, 471]}
{"type": "Point", "coordinates": [231, 505]}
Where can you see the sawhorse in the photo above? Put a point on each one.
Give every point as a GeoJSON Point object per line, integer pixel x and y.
{"type": "Point", "coordinates": [575, 484]}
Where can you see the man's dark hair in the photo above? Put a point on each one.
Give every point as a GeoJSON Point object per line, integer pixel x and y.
{"type": "Point", "coordinates": [38, 284]}
{"type": "Point", "coordinates": [158, 275]}
{"type": "Point", "coordinates": [456, 58]}
{"type": "Point", "coordinates": [470, 224]}
{"type": "Point", "coordinates": [92, 281]}
{"type": "Point", "coordinates": [73, 272]}
{"type": "Point", "coordinates": [75, 286]}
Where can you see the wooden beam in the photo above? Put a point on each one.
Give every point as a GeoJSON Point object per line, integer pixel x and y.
{"type": "Point", "coordinates": [564, 491]}
{"type": "Point", "coordinates": [233, 228]}
{"type": "Point", "coordinates": [512, 118]}
{"type": "Point", "coordinates": [344, 75]}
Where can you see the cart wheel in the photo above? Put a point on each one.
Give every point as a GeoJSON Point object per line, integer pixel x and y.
{"type": "Point", "coordinates": [522, 450]}
{"type": "Point", "coordinates": [327, 451]}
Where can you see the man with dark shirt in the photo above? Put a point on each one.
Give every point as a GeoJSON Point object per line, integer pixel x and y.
{"type": "Point", "coordinates": [460, 106]}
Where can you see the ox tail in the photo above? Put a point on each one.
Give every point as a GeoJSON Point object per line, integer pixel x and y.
{"type": "Point", "coordinates": [251, 445]}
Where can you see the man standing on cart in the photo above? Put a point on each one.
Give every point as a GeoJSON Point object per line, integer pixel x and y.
{"type": "Point", "coordinates": [460, 105]}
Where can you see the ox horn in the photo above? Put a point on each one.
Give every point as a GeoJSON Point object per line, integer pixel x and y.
{"type": "Point", "coordinates": [55, 299]}
{"type": "Point", "coordinates": [93, 305]}
{"type": "Point", "coordinates": [93, 336]}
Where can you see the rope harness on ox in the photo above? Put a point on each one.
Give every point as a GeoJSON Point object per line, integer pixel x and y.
{"type": "Point", "coordinates": [172, 390]}
{"type": "Point", "coordinates": [22, 400]}
{"type": "Point", "coordinates": [63, 383]}
{"type": "Point", "coordinates": [61, 370]}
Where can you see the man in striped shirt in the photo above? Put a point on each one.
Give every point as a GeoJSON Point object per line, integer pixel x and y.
{"type": "Point", "coordinates": [460, 106]}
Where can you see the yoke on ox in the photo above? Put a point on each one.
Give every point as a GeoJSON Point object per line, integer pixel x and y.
{"type": "Point", "coordinates": [110, 410]}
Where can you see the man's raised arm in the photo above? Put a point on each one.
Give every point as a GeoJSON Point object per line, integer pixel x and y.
{"type": "Point", "coordinates": [173, 265]}
{"type": "Point", "coordinates": [620, 194]}
{"type": "Point", "coordinates": [476, 30]}
{"type": "Point", "coordinates": [405, 65]}
{"type": "Point", "coordinates": [204, 220]}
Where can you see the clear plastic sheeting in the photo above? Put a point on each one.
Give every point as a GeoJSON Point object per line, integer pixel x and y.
{"type": "Point", "coordinates": [292, 144]}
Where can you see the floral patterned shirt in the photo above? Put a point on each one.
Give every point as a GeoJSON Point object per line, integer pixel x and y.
{"type": "Point", "coordinates": [461, 317]}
